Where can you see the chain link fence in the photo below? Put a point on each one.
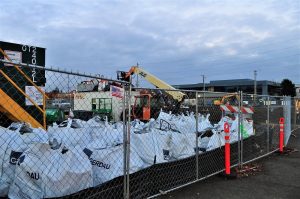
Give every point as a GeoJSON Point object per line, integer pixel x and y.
{"type": "Point", "coordinates": [84, 136]}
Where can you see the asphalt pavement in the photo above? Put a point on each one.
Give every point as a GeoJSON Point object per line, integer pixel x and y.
{"type": "Point", "coordinates": [279, 178]}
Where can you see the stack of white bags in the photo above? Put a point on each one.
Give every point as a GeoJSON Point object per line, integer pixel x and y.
{"type": "Point", "coordinates": [39, 164]}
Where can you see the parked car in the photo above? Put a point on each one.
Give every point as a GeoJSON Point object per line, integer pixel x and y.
{"type": "Point", "coordinates": [61, 103]}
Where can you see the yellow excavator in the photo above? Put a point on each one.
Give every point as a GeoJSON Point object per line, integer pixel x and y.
{"type": "Point", "coordinates": [148, 104]}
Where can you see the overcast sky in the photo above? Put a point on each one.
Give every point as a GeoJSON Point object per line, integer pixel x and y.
{"type": "Point", "coordinates": [178, 41]}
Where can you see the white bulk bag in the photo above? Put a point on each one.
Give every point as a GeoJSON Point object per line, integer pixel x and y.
{"type": "Point", "coordinates": [183, 145]}
{"type": "Point", "coordinates": [12, 145]}
{"type": "Point", "coordinates": [184, 124]}
{"type": "Point", "coordinates": [203, 143]}
{"type": "Point", "coordinates": [204, 123]}
{"type": "Point", "coordinates": [5, 138]}
{"type": "Point", "coordinates": [109, 163]}
{"type": "Point", "coordinates": [107, 137]}
{"type": "Point", "coordinates": [152, 146]}
{"type": "Point", "coordinates": [40, 135]}
{"type": "Point", "coordinates": [216, 140]}
{"type": "Point", "coordinates": [246, 129]}
{"type": "Point", "coordinates": [164, 116]}
{"type": "Point", "coordinates": [71, 133]}
{"type": "Point", "coordinates": [45, 173]}
{"type": "Point", "coordinates": [106, 134]}
{"type": "Point", "coordinates": [234, 129]}
{"type": "Point", "coordinates": [233, 126]}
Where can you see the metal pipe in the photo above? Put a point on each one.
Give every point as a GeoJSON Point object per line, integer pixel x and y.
{"type": "Point", "coordinates": [197, 144]}
{"type": "Point", "coordinates": [128, 141]}
{"type": "Point", "coordinates": [60, 71]}
{"type": "Point", "coordinates": [124, 143]}
{"type": "Point", "coordinates": [189, 183]}
{"type": "Point", "coordinates": [239, 134]}
{"type": "Point", "coordinates": [192, 182]}
{"type": "Point", "coordinates": [262, 156]}
{"type": "Point", "coordinates": [44, 112]}
{"type": "Point", "coordinates": [182, 90]}
{"type": "Point", "coordinates": [268, 124]}
{"type": "Point", "coordinates": [295, 113]}
{"type": "Point", "coordinates": [242, 126]}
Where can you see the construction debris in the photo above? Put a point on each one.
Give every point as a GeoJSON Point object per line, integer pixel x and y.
{"type": "Point", "coordinates": [248, 170]}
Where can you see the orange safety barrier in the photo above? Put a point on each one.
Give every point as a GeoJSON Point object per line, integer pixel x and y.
{"type": "Point", "coordinates": [281, 134]}
{"type": "Point", "coordinates": [227, 148]}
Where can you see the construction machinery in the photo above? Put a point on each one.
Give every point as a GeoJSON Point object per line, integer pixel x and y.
{"type": "Point", "coordinates": [148, 103]}
{"type": "Point", "coordinates": [54, 115]}
{"type": "Point", "coordinates": [230, 99]}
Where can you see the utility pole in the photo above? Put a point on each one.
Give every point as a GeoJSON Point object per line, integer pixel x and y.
{"type": "Point", "coordinates": [255, 86]}
{"type": "Point", "coordinates": [137, 77]}
{"type": "Point", "coordinates": [203, 77]}
{"type": "Point", "coordinates": [203, 80]}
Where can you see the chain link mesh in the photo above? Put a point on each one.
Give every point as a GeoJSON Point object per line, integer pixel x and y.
{"type": "Point", "coordinates": [98, 138]}
{"type": "Point", "coordinates": [295, 113]}
{"type": "Point", "coordinates": [77, 152]}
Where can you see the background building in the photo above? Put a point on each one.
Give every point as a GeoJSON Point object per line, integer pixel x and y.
{"type": "Point", "coordinates": [297, 90]}
{"type": "Point", "coordinates": [264, 87]}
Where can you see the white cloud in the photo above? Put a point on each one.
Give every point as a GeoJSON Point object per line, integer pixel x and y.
{"type": "Point", "coordinates": [123, 32]}
{"type": "Point", "coordinates": [256, 35]}
{"type": "Point", "coordinates": [230, 51]}
{"type": "Point", "coordinates": [215, 42]}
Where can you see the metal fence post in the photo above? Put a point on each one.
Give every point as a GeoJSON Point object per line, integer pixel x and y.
{"type": "Point", "coordinates": [128, 141]}
{"type": "Point", "coordinates": [268, 124]}
{"type": "Point", "coordinates": [295, 113]}
{"type": "Point", "coordinates": [287, 116]}
{"type": "Point", "coordinates": [241, 124]}
{"type": "Point", "coordinates": [197, 148]}
{"type": "Point", "coordinates": [124, 102]}
{"type": "Point", "coordinates": [239, 132]}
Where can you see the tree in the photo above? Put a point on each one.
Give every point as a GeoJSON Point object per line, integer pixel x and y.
{"type": "Point", "coordinates": [288, 88]}
{"type": "Point", "coordinates": [55, 91]}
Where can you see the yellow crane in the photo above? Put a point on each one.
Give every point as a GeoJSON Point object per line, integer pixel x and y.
{"type": "Point", "coordinates": [143, 104]}
{"type": "Point", "coordinates": [177, 95]}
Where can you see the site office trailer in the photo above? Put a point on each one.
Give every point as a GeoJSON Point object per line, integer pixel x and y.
{"type": "Point", "coordinates": [83, 101]}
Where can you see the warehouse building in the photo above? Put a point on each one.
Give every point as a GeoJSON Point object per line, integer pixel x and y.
{"type": "Point", "coordinates": [297, 90]}
{"type": "Point", "coordinates": [264, 87]}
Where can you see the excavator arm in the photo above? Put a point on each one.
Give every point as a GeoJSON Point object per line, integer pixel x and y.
{"type": "Point", "coordinates": [226, 99]}
{"type": "Point", "coordinates": [176, 95]}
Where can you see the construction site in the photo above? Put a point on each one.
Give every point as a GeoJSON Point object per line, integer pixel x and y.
{"type": "Point", "coordinates": [59, 128]}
